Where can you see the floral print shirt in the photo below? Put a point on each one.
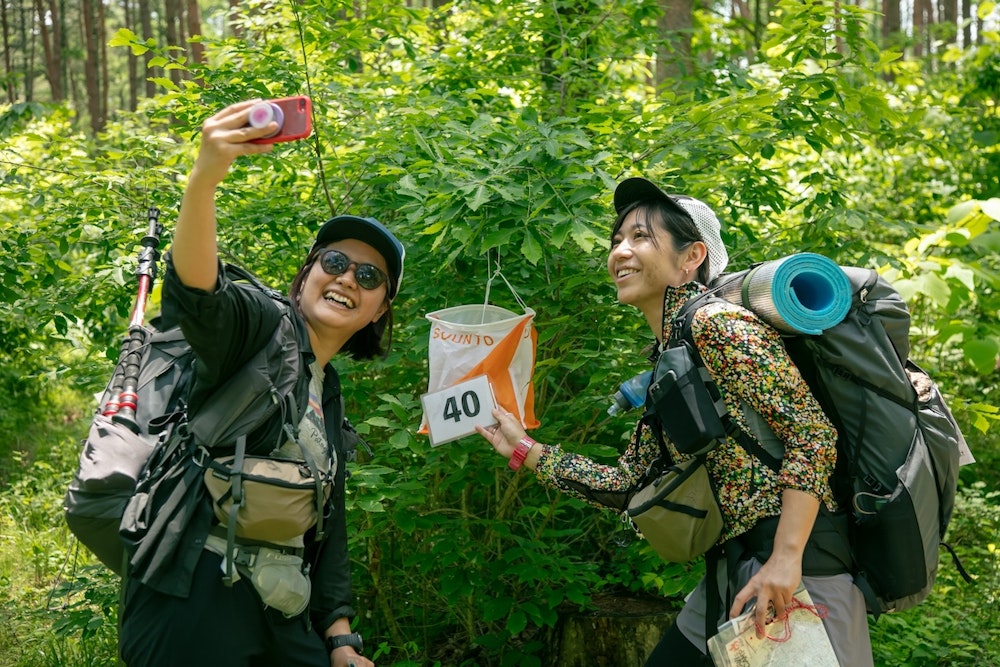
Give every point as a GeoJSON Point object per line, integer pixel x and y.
{"type": "Point", "coordinates": [748, 362]}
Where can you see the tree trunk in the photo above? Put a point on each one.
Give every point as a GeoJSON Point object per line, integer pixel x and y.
{"type": "Point", "coordinates": [145, 16]}
{"type": "Point", "coordinates": [673, 55]}
{"type": "Point", "coordinates": [234, 23]}
{"type": "Point", "coordinates": [891, 23]}
{"type": "Point", "coordinates": [967, 23]}
{"type": "Point", "coordinates": [27, 51]}
{"type": "Point", "coordinates": [8, 66]}
{"type": "Point", "coordinates": [620, 632]}
{"type": "Point", "coordinates": [949, 15]}
{"type": "Point", "coordinates": [50, 30]}
{"type": "Point", "coordinates": [133, 60]}
{"type": "Point", "coordinates": [919, 28]}
{"type": "Point", "coordinates": [194, 28]}
{"type": "Point", "coordinates": [90, 64]}
{"type": "Point", "coordinates": [174, 36]}
{"type": "Point", "coordinates": [102, 42]}
{"type": "Point", "coordinates": [838, 43]}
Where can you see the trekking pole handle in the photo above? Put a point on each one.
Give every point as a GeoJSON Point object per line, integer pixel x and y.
{"type": "Point", "coordinates": [146, 273]}
{"type": "Point", "coordinates": [146, 269]}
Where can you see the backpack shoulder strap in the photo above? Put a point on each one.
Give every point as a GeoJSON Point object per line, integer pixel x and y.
{"type": "Point", "coordinates": [681, 334]}
{"type": "Point", "coordinates": [236, 272]}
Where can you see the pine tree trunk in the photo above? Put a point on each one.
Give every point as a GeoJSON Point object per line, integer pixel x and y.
{"type": "Point", "coordinates": [194, 28]}
{"type": "Point", "coordinates": [133, 61]}
{"type": "Point", "coordinates": [145, 16]}
{"type": "Point", "coordinates": [234, 12]}
{"type": "Point", "coordinates": [49, 27]}
{"type": "Point", "coordinates": [674, 27]}
{"type": "Point", "coordinates": [91, 65]}
{"type": "Point", "coordinates": [27, 51]}
{"type": "Point", "coordinates": [172, 20]}
{"type": "Point", "coordinates": [8, 66]}
{"type": "Point", "coordinates": [102, 43]}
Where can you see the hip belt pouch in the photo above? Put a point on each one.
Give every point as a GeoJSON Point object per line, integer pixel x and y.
{"type": "Point", "coordinates": [689, 409]}
{"type": "Point", "coordinates": [677, 512]}
{"type": "Point", "coordinates": [279, 497]}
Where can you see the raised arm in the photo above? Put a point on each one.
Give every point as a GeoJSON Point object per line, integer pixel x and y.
{"type": "Point", "coordinates": [224, 137]}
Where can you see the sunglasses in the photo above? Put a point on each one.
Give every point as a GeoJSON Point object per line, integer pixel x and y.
{"type": "Point", "coordinates": [367, 275]}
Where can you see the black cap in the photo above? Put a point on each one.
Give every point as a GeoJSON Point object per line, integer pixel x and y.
{"type": "Point", "coordinates": [372, 232]}
{"type": "Point", "coordinates": [632, 190]}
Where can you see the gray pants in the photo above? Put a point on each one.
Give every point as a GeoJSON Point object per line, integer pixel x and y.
{"type": "Point", "coordinates": [846, 621]}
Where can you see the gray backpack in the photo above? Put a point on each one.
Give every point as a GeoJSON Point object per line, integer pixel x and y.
{"type": "Point", "coordinates": [898, 444]}
{"type": "Point", "coordinates": [117, 456]}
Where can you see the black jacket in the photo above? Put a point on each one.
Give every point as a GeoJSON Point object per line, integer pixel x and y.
{"type": "Point", "coordinates": [226, 328]}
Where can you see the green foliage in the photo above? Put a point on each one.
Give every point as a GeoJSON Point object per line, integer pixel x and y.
{"type": "Point", "coordinates": [489, 137]}
{"type": "Point", "coordinates": [57, 608]}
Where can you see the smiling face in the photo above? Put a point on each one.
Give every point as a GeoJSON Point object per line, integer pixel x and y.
{"type": "Point", "coordinates": [644, 260]}
{"type": "Point", "coordinates": [336, 307]}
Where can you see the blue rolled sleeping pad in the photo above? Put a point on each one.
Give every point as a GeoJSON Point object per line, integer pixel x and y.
{"type": "Point", "coordinates": [804, 293]}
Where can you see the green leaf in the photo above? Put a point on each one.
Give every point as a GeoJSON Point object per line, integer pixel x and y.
{"type": "Point", "coordinates": [164, 82]}
{"type": "Point", "coordinates": [982, 354]}
{"type": "Point", "coordinates": [932, 286]}
{"type": "Point", "coordinates": [481, 195]}
{"type": "Point", "coordinates": [517, 622]}
{"type": "Point", "coordinates": [125, 37]}
{"type": "Point", "coordinates": [496, 609]}
{"type": "Point", "coordinates": [531, 248]}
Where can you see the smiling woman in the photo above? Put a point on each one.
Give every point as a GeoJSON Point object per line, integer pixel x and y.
{"type": "Point", "coordinates": [283, 600]}
{"type": "Point", "coordinates": [665, 250]}
{"type": "Point", "coordinates": [357, 264]}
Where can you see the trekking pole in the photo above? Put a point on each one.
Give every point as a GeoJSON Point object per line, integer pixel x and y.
{"type": "Point", "coordinates": [122, 403]}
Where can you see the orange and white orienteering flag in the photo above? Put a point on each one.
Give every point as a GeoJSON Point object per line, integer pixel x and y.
{"type": "Point", "coordinates": [481, 339]}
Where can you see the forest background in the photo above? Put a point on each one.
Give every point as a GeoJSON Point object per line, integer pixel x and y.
{"type": "Point", "coordinates": [489, 135]}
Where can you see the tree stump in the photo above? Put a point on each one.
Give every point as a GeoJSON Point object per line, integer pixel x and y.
{"type": "Point", "coordinates": [619, 631]}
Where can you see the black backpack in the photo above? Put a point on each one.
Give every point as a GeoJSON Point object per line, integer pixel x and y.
{"type": "Point", "coordinates": [898, 443]}
{"type": "Point", "coordinates": [118, 451]}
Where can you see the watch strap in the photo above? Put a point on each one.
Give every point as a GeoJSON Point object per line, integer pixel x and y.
{"type": "Point", "coordinates": [337, 641]}
{"type": "Point", "coordinates": [524, 446]}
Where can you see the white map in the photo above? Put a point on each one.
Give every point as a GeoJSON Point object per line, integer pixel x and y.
{"type": "Point", "coordinates": [801, 642]}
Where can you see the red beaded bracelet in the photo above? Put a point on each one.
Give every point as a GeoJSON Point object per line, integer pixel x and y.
{"type": "Point", "coordinates": [520, 452]}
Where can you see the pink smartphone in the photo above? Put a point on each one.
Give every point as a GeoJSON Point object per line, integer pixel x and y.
{"type": "Point", "coordinates": [293, 115]}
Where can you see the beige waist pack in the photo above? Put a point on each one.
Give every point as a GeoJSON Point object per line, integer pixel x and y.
{"type": "Point", "coordinates": [677, 512]}
{"type": "Point", "coordinates": [279, 499]}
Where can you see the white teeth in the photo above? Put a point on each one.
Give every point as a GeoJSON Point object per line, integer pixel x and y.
{"type": "Point", "coordinates": [339, 298]}
{"type": "Point", "coordinates": [626, 272]}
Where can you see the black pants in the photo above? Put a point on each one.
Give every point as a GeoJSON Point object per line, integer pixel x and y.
{"type": "Point", "coordinates": [216, 626]}
{"type": "Point", "coordinates": [674, 650]}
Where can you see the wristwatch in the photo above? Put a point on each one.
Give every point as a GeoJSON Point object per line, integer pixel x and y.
{"type": "Point", "coordinates": [352, 640]}
{"type": "Point", "coordinates": [520, 453]}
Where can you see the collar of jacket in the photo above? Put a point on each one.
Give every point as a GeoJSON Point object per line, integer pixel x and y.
{"type": "Point", "coordinates": [673, 299]}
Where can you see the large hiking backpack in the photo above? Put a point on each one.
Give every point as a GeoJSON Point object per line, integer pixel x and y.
{"type": "Point", "coordinates": [118, 450]}
{"type": "Point", "coordinates": [898, 444]}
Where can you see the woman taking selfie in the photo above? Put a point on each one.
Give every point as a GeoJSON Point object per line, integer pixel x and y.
{"type": "Point", "coordinates": [188, 613]}
{"type": "Point", "coordinates": [665, 249]}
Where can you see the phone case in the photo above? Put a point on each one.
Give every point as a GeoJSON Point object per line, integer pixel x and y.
{"type": "Point", "coordinates": [297, 124]}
